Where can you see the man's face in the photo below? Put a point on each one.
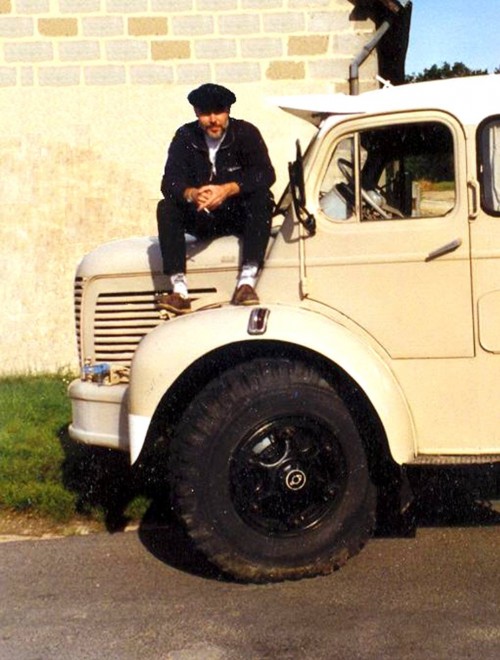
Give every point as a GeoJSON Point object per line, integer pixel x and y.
{"type": "Point", "coordinates": [213, 122]}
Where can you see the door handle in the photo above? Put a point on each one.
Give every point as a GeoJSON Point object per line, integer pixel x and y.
{"type": "Point", "coordinates": [445, 249]}
{"type": "Point", "coordinates": [473, 195]}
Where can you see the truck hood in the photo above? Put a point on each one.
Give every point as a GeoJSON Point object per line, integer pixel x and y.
{"type": "Point", "coordinates": [142, 255]}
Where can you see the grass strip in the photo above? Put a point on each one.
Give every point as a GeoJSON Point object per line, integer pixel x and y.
{"type": "Point", "coordinates": [44, 474]}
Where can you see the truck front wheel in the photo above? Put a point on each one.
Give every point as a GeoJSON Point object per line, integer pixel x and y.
{"type": "Point", "coordinates": [270, 475]}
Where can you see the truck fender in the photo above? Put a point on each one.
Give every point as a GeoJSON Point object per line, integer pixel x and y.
{"type": "Point", "coordinates": [167, 351]}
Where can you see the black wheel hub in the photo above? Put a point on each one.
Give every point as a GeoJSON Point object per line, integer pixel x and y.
{"type": "Point", "coordinates": [288, 474]}
{"type": "Point", "coordinates": [295, 477]}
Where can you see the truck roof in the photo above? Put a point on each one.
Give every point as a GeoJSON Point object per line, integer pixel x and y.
{"type": "Point", "coordinates": [470, 99]}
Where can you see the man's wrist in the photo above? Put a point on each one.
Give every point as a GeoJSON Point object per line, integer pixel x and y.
{"type": "Point", "coordinates": [188, 195]}
{"type": "Point", "coordinates": [232, 188]}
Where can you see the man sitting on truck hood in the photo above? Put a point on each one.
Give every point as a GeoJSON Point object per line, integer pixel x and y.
{"type": "Point", "coordinates": [216, 182]}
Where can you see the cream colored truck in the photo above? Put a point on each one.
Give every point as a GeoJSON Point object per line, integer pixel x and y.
{"type": "Point", "coordinates": [376, 345]}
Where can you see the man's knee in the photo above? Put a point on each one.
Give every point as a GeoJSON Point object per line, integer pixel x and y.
{"type": "Point", "coordinates": [168, 209]}
{"type": "Point", "coordinates": [173, 217]}
{"type": "Point", "coordinates": [161, 211]}
{"type": "Point", "coordinates": [261, 200]}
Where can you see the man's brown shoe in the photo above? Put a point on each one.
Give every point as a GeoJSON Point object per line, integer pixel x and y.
{"type": "Point", "coordinates": [173, 302]}
{"type": "Point", "coordinates": [245, 295]}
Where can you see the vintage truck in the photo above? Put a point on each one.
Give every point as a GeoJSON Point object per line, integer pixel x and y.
{"type": "Point", "coordinates": [376, 345]}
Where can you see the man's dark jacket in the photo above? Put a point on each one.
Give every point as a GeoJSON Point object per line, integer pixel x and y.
{"type": "Point", "coordinates": [242, 157]}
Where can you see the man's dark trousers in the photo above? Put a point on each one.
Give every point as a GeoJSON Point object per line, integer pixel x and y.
{"type": "Point", "coordinates": [248, 216]}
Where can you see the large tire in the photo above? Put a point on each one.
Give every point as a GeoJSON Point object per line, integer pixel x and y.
{"type": "Point", "coordinates": [270, 476]}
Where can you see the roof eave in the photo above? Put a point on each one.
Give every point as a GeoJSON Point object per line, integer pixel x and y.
{"type": "Point", "coordinates": [394, 6]}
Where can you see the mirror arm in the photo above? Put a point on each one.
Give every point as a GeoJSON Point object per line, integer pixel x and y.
{"type": "Point", "coordinates": [307, 219]}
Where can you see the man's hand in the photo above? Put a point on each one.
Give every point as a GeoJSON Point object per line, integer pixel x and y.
{"type": "Point", "coordinates": [210, 197]}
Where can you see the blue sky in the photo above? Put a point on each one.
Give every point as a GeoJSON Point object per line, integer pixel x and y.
{"type": "Point", "coordinates": [451, 31]}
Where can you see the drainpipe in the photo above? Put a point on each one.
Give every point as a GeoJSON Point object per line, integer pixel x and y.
{"type": "Point", "coordinates": [361, 57]}
{"type": "Point", "coordinates": [371, 45]}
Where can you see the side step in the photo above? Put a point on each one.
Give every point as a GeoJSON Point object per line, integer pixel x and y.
{"type": "Point", "coordinates": [443, 459]}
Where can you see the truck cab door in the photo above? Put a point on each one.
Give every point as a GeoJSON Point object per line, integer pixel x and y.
{"type": "Point", "coordinates": [485, 234]}
{"type": "Point", "coordinates": [392, 250]}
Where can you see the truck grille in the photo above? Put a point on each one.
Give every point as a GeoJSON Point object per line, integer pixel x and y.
{"type": "Point", "coordinates": [120, 319]}
{"type": "Point", "coordinates": [120, 322]}
{"type": "Point", "coordinates": [77, 297]}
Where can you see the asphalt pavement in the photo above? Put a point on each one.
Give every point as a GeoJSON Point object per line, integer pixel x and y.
{"type": "Point", "coordinates": [147, 595]}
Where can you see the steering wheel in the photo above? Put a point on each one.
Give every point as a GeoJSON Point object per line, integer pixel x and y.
{"type": "Point", "coordinates": [347, 169]}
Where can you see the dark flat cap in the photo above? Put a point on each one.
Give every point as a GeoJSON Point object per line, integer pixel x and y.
{"type": "Point", "coordinates": [211, 97]}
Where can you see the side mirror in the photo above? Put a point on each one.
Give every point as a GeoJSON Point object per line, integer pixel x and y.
{"type": "Point", "coordinates": [297, 187]}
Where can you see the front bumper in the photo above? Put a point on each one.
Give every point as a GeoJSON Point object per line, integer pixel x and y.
{"type": "Point", "coordinates": [99, 414]}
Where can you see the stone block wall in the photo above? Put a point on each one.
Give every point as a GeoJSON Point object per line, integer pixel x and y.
{"type": "Point", "coordinates": [144, 42]}
{"type": "Point", "coordinates": [91, 92]}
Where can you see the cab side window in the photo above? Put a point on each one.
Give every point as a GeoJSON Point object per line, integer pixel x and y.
{"type": "Point", "coordinates": [489, 165]}
{"type": "Point", "coordinates": [389, 173]}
